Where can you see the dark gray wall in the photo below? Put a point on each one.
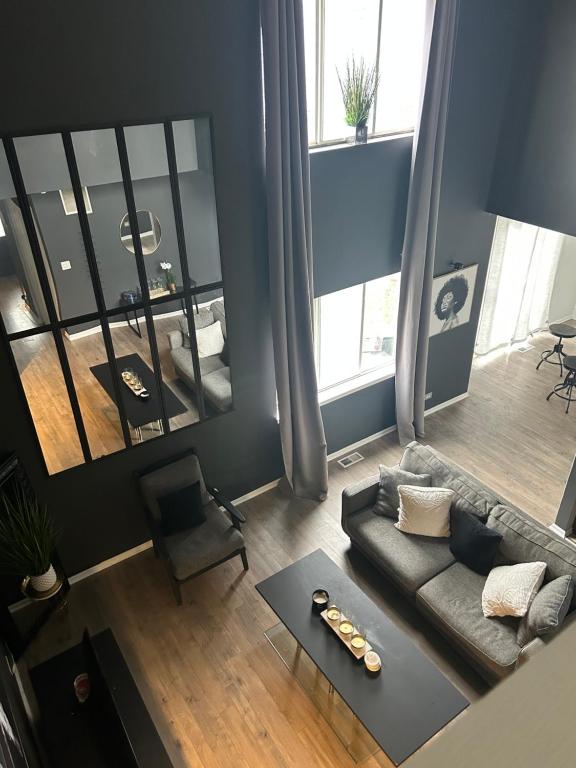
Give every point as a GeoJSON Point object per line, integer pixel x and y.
{"type": "Point", "coordinates": [485, 52]}
{"type": "Point", "coordinates": [535, 177]}
{"type": "Point", "coordinates": [359, 198]}
{"type": "Point", "coordinates": [63, 240]}
{"type": "Point", "coordinates": [205, 58]}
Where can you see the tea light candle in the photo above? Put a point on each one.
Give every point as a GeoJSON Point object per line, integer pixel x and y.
{"type": "Point", "coordinates": [372, 661]}
{"type": "Point", "coordinates": [320, 597]}
{"type": "Point", "coordinates": [333, 613]}
{"type": "Point", "coordinates": [346, 627]}
{"type": "Point", "coordinates": [358, 641]}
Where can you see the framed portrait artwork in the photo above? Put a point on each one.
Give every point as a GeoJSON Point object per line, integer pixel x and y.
{"type": "Point", "coordinates": [452, 297]}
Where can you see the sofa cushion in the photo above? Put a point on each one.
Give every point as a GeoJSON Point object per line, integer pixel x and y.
{"type": "Point", "coordinates": [472, 542]}
{"type": "Point", "coordinates": [182, 359]}
{"type": "Point", "coordinates": [388, 501]}
{"type": "Point", "coordinates": [217, 389]}
{"type": "Point", "coordinates": [200, 547]}
{"type": "Point", "coordinates": [548, 609]}
{"type": "Point", "coordinates": [471, 496]}
{"type": "Point", "coordinates": [202, 319]}
{"type": "Point", "coordinates": [524, 540]}
{"type": "Point", "coordinates": [510, 589]}
{"type": "Point", "coordinates": [453, 600]}
{"type": "Point", "coordinates": [409, 560]}
{"type": "Point", "coordinates": [424, 511]}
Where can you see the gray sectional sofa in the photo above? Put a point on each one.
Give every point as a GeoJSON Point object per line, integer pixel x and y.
{"type": "Point", "coordinates": [214, 369]}
{"type": "Point", "coordinates": [446, 591]}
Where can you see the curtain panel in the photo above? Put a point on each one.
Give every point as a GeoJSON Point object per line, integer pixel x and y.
{"type": "Point", "coordinates": [422, 220]}
{"type": "Point", "coordinates": [290, 247]}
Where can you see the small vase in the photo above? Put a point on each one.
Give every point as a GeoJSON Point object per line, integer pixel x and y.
{"type": "Point", "coordinates": [44, 581]}
{"type": "Point", "coordinates": [172, 287]}
{"type": "Point", "coordinates": [362, 133]}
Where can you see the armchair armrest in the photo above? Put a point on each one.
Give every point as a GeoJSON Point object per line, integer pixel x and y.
{"type": "Point", "coordinates": [359, 495]}
{"type": "Point", "coordinates": [175, 339]}
{"type": "Point", "coordinates": [236, 516]}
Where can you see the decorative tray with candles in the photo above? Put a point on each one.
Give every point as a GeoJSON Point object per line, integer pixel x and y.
{"type": "Point", "coordinates": [345, 630]}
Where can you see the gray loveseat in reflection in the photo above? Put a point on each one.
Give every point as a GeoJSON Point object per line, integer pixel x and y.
{"type": "Point", "coordinates": [214, 369]}
{"type": "Point", "coordinates": [446, 591]}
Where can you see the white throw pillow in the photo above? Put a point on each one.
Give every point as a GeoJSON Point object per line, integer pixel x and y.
{"type": "Point", "coordinates": [510, 589]}
{"type": "Point", "coordinates": [424, 511]}
{"type": "Point", "coordinates": [210, 340]}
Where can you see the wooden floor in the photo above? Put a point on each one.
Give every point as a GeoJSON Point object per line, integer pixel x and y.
{"type": "Point", "coordinates": [39, 368]}
{"type": "Point", "coordinates": [216, 689]}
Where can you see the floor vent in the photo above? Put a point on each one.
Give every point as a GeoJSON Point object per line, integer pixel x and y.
{"type": "Point", "coordinates": [525, 347]}
{"type": "Point", "coordinates": [352, 458]}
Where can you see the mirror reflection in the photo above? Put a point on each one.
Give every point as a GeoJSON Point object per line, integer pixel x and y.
{"type": "Point", "coordinates": [148, 228]}
{"type": "Point", "coordinates": [152, 356]}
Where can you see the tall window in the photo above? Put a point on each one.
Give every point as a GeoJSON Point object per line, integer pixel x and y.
{"type": "Point", "coordinates": [387, 34]}
{"type": "Point", "coordinates": [355, 334]}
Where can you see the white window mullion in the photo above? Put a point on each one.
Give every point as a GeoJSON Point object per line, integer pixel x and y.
{"type": "Point", "coordinates": [320, 27]}
{"type": "Point", "coordinates": [377, 64]}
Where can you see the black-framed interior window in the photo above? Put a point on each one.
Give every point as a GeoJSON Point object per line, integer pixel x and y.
{"type": "Point", "coordinates": [111, 293]}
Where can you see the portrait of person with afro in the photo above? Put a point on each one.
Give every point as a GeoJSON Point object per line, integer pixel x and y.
{"type": "Point", "coordinates": [450, 300]}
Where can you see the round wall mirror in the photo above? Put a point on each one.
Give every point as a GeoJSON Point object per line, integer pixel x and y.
{"type": "Point", "coordinates": [149, 229]}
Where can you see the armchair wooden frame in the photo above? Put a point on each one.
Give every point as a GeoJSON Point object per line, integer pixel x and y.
{"type": "Point", "coordinates": [158, 543]}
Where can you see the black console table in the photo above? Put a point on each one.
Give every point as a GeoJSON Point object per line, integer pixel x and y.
{"type": "Point", "coordinates": [113, 729]}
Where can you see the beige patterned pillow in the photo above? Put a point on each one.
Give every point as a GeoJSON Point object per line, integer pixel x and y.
{"type": "Point", "coordinates": [424, 511]}
{"type": "Point", "coordinates": [510, 589]}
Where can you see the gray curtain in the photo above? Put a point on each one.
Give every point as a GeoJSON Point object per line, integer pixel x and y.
{"type": "Point", "coordinates": [290, 247]}
{"type": "Point", "coordinates": [421, 222]}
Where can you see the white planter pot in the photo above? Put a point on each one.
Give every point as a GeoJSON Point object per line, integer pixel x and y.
{"type": "Point", "coordinates": [44, 581]}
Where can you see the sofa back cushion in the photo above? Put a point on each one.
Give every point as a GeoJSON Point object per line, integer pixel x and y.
{"type": "Point", "coordinates": [202, 319]}
{"type": "Point", "coordinates": [524, 540]}
{"type": "Point", "coordinates": [469, 494]}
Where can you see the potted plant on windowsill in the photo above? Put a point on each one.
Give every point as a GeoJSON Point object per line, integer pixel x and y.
{"type": "Point", "coordinates": [358, 86]}
{"type": "Point", "coordinates": [27, 539]}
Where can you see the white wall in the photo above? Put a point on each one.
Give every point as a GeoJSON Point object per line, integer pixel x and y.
{"type": "Point", "coordinates": [563, 299]}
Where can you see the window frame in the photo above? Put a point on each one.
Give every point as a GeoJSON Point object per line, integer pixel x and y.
{"type": "Point", "coordinates": [361, 379]}
{"type": "Point", "coordinates": [315, 137]}
{"type": "Point", "coordinates": [57, 326]}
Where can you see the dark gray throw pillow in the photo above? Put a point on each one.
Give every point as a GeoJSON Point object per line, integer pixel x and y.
{"type": "Point", "coordinates": [548, 609]}
{"type": "Point", "coordinates": [181, 510]}
{"type": "Point", "coordinates": [388, 501]}
{"type": "Point", "coordinates": [471, 542]}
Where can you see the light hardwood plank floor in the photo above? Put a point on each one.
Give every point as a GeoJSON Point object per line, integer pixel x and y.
{"type": "Point", "coordinates": [216, 689]}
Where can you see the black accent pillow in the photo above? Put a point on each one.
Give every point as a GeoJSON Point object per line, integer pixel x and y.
{"type": "Point", "coordinates": [388, 501]}
{"type": "Point", "coordinates": [181, 509]}
{"type": "Point", "coordinates": [472, 542]}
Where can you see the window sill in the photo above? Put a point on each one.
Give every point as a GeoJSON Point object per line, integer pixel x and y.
{"type": "Point", "coordinates": [343, 144]}
{"type": "Point", "coordinates": [337, 391]}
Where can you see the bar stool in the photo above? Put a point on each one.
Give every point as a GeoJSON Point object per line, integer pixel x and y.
{"type": "Point", "coordinates": [569, 382]}
{"type": "Point", "coordinates": [561, 331]}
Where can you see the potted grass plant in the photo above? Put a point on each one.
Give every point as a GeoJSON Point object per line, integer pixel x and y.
{"type": "Point", "coordinates": [358, 85]}
{"type": "Point", "coordinates": [27, 538]}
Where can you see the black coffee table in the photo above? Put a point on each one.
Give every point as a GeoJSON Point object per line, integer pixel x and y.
{"type": "Point", "coordinates": [408, 702]}
{"type": "Point", "coordinates": [139, 412]}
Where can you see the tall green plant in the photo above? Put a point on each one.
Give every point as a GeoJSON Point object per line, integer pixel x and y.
{"type": "Point", "coordinates": [27, 535]}
{"type": "Point", "coordinates": [358, 86]}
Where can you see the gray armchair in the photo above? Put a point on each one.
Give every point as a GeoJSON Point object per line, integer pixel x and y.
{"type": "Point", "coordinates": [191, 552]}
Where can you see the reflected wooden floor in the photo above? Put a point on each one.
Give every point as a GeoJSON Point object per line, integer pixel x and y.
{"type": "Point", "coordinates": [216, 689]}
{"type": "Point", "coordinates": [44, 385]}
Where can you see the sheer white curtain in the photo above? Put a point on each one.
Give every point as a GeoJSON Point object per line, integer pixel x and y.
{"type": "Point", "coordinates": [519, 285]}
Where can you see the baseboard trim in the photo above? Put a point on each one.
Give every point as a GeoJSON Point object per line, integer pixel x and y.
{"type": "Point", "coordinates": [445, 404]}
{"type": "Point", "coordinates": [359, 443]}
{"type": "Point", "coordinates": [559, 531]}
{"type": "Point", "coordinates": [105, 564]}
